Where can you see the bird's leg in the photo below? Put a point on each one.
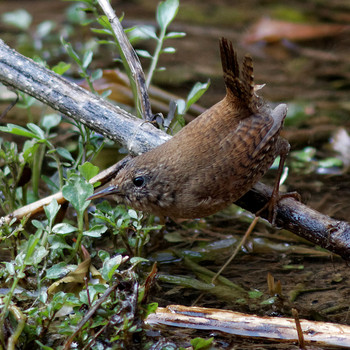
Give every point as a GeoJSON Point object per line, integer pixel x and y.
{"type": "Point", "coordinates": [270, 206]}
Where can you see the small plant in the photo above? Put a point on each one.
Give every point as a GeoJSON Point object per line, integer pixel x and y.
{"type": "Point", "coordinates": [306, 161]}
{"type": "Point", "coordinates": [35, 149]}
{"type": "Point", "coordinates": [126, 224]}
{"type": "Point", "coordinates": [52, 258]}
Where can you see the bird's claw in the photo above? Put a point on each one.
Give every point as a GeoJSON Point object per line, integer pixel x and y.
{"type": "Point", "coordinates": [271, 205]}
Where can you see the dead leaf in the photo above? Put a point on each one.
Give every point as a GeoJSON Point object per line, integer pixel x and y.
{"type": "Point", "coordinates": [271, 30]}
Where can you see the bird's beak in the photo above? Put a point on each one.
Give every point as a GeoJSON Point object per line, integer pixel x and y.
{"type": "Point", "coordinates": [105, 192]}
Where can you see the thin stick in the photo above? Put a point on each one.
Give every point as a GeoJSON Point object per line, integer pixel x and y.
{"type": "Point", "coordinates": [242, 242]}
{"type": "Point", "coordinates": [301, 340]}
{"type": "Point", "coordinates": [88, 315]}
{"type": "Point", "coordinates": [131, 63]}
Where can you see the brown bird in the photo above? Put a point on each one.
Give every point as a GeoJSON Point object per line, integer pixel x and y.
{"type": "Point", "coordinates": [212, 161]}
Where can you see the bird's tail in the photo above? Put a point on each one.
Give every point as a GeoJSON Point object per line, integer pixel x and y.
{"type": "Point", "coordinates": [241, 88]}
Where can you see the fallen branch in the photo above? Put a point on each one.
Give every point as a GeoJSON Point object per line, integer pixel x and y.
{"type": "Point", "coordinates": [273, 328]}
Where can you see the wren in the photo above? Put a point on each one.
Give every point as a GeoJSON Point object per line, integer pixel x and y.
{"type": "Point", "coordinates": [212, 161]}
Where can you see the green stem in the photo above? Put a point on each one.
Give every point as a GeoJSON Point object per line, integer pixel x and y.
{"type": "Point", "coordinates": [59, 169]}
{"type": "Point", "coordinates": [21, 321]}
{"type": "Point", "coordinates": [97, 151]}
{"type": "Point", "coordinates": [7, 300]}
{"type": "Point", "coordinates": [155, 58]}
{"type": "Point", "coordinates": [37, 163]}
{"type": "Point", "coordinates": [80, 231]}
{"type": "Point", "coordinates": [88, 80]}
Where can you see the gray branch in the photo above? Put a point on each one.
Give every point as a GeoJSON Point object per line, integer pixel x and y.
{"type": "Point", "coordinates": [305, 222]}
{"type": "Point", "coordinates": [23, 74]}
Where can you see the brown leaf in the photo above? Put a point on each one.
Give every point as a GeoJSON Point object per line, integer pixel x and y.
{"type": "Point", "coordinates": [271, 30]}
{"type": "Point", "coordinates": [74, 281]}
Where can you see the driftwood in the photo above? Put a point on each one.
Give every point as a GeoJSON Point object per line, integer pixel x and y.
{"type": "Point", "coordinates": [19, 72]}
{"type": "Point", "coordinates": [279, 329]}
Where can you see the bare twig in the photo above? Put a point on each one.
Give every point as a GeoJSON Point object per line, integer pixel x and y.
{"type": "Point", "coordinates": [89, 314]}
{"type": "Point", "coordinates": [133, 65]}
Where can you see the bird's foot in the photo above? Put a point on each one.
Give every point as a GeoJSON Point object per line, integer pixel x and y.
{"type": "Point", "coordinates": [271, 205]}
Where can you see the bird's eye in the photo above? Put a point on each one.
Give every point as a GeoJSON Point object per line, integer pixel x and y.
{"type": "Point", "coordinates": [138, 181]}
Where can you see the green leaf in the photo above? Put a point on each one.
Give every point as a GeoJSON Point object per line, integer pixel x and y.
{"type": "Point", "coordinates": [107, 42]}
{"type": "Point", "coordinates": [330, 162]}
{"type": "Point", "coordinates": [269, 301]}
{"type": "Point", "coordinates": [10, 267]}
{"type": "Point", "coordinates": [106, 93]}
{"type": "Point", "coordinates": [166, 12]}
{"type": "Point", "coordinates": [38, 255]}
{"type": "Point", "coordinates": [77, 191]}
{"type": "Point", "coordinates": [141, 32]}
{"type": "Point", "coordinates": [59, 270]}
{"type": "Point", "coordinates": [29, 149]}
{"type": "Point", "coordinates": [174, 35]}
{"type": "Point", "coordinates": [64, 229]}
{"type": "Point", "coordinates": [31, 245]}
{"type": "Point", "coordinates": [109, 267]}
{"type": "Point", "coordinates": [255, 294]}
{"type": "Point", "coordinates": [71, 53]}
{"type": "Point", "coordinates": [169, 50]}
{"type": "Point", "coordinates": [137, 260]}
{"type": "Point", "coordinates": [64, 153]}
{"type": "Point", "coordinates": [150, 308]}
{"type": "Point", "coordinates": [96, 231]}
{"type": "Point", "coordinates": [37, 130]}
{"type": "Point", "coordinates": [19, 18]}
{"type": "Point", "coordinates": [200, 343]}
{"type": "Point", "coordinates": [61, 67]}
{"type": "Point", "coordinates": [44, 28]}
{"type": "Point", "coordinates": [51, 211]}
{"type": "Point", "coordinates": [101, 31]}
{"type": "Point", "coordinates": [305, 155]}
{"type": "Point", "coordinates": [18, 130]}
{"type": "Point", "coordinates": [181, 106]}
{"type": "Point", "coordinates": [181, 120]}
{"type": "Point", "coordinates": [50, 121]}
{"type": "Point", "coordinates": [133, 214]}
{"type": "Point", "coordinates": [104, 22]}
{"type": "Point", "coordinates": [87, 59]}
{"type": "Point", "coordinates": [144, 53]}
{"type": "Point", "coordinates": [58, 242]}
{"type": "Point", "coordinates": [103, 255]}
{"type": "Point", "coordinates": [196, 93]}
{"type": "Point", "coordinates": [38, 224]}
{"type": "Point", "coordinates": [96, 74]}
{"type": "Point", "coordinates": [88, 170]}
